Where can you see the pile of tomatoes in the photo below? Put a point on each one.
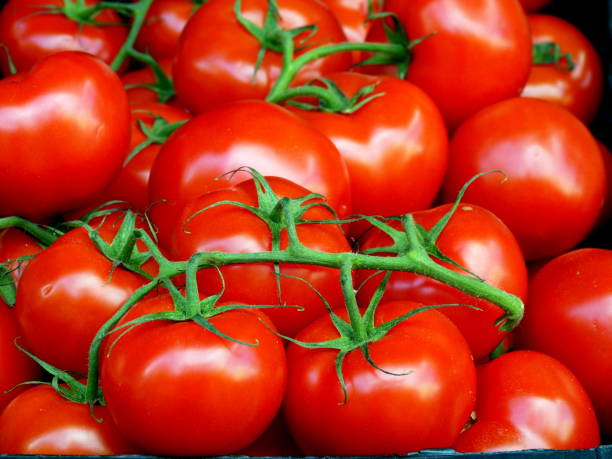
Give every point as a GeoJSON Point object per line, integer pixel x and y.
{"type": "Point", "coordinates": [301, 227]}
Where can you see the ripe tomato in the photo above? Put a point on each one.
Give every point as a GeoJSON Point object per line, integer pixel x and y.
{"type": "Point", "coordinates": [396, 145]}
{"type": "Point", "coordinates": [569, 316]}
{"type": "Point", "coordinates": [384, 414]}
{"type": "Point", "coordinates": [247, 133]}
{"type": "Point", "coordinates": [352, 16]}
{"type": "Point", "coordinates": [64, 93]}
{"type": "Point", "coordinates": [555, 175]}
{"type": "Point", "coordinates": [528, 400]}
{"type": "Point", "coordinates": [229, 228]}
{"type": "Point", "coordinates": [14, 244]}
{"type": "Point", "coordinates": [276, 441]}
{"type": "Point", "coordinates": [175, 388]}
{"type": "Point", "coordinates": [479, 52]}
{"type": "Point", "coordinates": [578, 90]}
{"type": "Point", "coordinates": [478, 241]}
{"type": "Point", "coordinates": [40, 421]}
{"type": "Point", "coordinates": [31, 32]}
{"type": "Point", "coordinates": [215, 62]}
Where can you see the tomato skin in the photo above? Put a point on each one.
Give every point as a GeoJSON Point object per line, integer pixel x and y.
{"type": "Point", "coordinates": [531, 6]}
{"type": "Point", "coordinates": [352, 16]}
{"type": "Point", "coordinates": [232, 229]}
{"type": "Point", "coordinates": [40, 421]}
{"type": "Point", "coordinates": [14, 244]}
{"type": "Point", "coordinates": [568, 315]}
{"type": "Point", "coordinates": [578, 90]}
{"type": "Point", "coordinates": [247, 133]}
{"type": "Point", "coordinates": [477, 240]}
{"type": "Point", "coordinates": [215, 68]}
{"type": "Point", "coordinates": [555, 175]}
{"type": "Point", "coordinates": [528, 400]}
{"type": "Point", "coordinates": [66, 92]}
{"type": "Point", "coordinates": [424, 409]}
{"type": "Point", "coordinates": [394, 145]}
{"type": "Point", "coordinates": [178, 389]}
{"type": "Point", "coordinates": [31, 32]}
{"type": "Point", "coordinates": [479, 53]}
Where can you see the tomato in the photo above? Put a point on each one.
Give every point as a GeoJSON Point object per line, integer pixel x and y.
{"type": "Point", "coordinates": [352, 16]}
{"type": "Point", "coordinates": [568, 315]}
{"type": "Point", "coordinates": [555, 181]}
{"type": "Point", "coordinates": [384, 413]}
{"type": "Point", "coordinates": [31, 32]}
{"type": "Point", "coordinates": [479, 52]}
{"type": "Point", "coordinates": [276, 441]}
{"type": "Point", "coordinates": [165, 20]}
{"type": "Point", "coordinates": [247, 133]}
{"type": "Point", "coordinates": [478, 241]}
{"type": "Point", "coordinates": [578, 90]}
{"type": "Point", "coordinates": [64, 93]}
{"type": "Point", "coordinates": [142, 95]}
{"type": "Point", "coordinates": [40, 421]}
{"type": "Point", "coordinates": [229, 228]}
{"type": "Point", "coordinates": [396, 145]}
{"type": "Point", "coordinates": [16, 366]}
{"type": "Point", "coordinates": [218, 67]}
{"type": "Point", "coordinates": [174, 388]}
{"type": "Point", "coordinates": [13, 245]}
{"type": "Point", "coordinates": [69, 290]}
{"type": "Point", "coordinates": [531, 6]}
{"type": "Point", "coordinates": [528, 400]}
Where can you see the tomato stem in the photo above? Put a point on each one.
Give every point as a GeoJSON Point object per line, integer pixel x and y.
{"type": "Point", "coordinates": [46, 235]}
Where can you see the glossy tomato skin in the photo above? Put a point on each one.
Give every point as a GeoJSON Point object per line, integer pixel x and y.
{"type": "Point", "coordinates": [40, 421]}
{"type": "Point", "coordinates": [479, 52]}
{"type": "Point", "coordinates": [478, 241]}
{"type": "Point", "coordinates": [384, 414]}
{"type": "Point", "coordinates": [568, 315]}
{"type": "Point", "coordinates": [578, 90]}
{"type": "Point", "coordinates": [64, 93]}
{"type": "Point", "coordinates": [13, 245]}
{"type": "Point", "coordinates": [178, 389]}
{"type": "Point", "coordinates": [395, 146]}
{"type": "Point", "coordinates": [528, 400]}
{"type": "Point", "coordinates": [230, 228]}
{"type": "Point", "coordinates": [352, 16]}
{"type": "Point", "coordinates": [555, 182]}
{"type": "Point", "coordinates": [216, 56]}
{"type": "Point", "coordinates": [69, 290]}
{"type": "Point", "coordinates": [247, 133]}
{"type": "Point", "coordinates": [32, 32]}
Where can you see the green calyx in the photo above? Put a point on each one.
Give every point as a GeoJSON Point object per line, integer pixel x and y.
{"type": "Point", "coordinates": [549, 53]}
{"type": "Point", "coordinates": [163, 86]}
{"type": "Point", "coordinates": [158, 133]}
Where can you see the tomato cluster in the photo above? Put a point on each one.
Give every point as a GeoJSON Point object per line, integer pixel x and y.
{"type": "Point", "coordinates": [302, 227]}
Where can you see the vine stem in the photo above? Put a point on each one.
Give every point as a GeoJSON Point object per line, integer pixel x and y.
{"type": "Point", "coordinates": [139, 11]}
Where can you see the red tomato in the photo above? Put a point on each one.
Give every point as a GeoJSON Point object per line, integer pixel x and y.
{"type": "Point", "coordinates": [69, 290]}
{"type": "Point", "coordinates": [248, 133]}
{"type": "Point", "coordinates": [163, 25]}
{"type": "Point", "coordinates": [528, 400]}
{"type": "Point", "coordinates": [230, 228]}
{"type": "Point", "coordinates": [578, 90]}
{"type": "Point", "coordinates": [352, 16]}
{"type": "Point", "coordinates": [16, 366]}
{"type": "Point", "coordinates": [214, 68]}
{"type": "Point", "coordinates": [139, 95]}
{"type": "Point", "coordinates": [14, 244]}
{"type": "Point", "coordinates": [178, 389]}
{"type": "Point", "coordinates": [555, 176]}
{"type": "Point", "coordinates": [40, 421]}
{"type": "Point", "coordinates": [31, 32]}
{"type": "Point", "coordinates": [531, 6]}
{"type": "Point", "coordinates": [384, 414]}
{"type": "Point", "coordinates": [478, 241]}
{"type": "Point", "coordinates": [569, 316]}
{"type": "Point", "coordinates": [61, 111]}
{"type": "Point", "coordinates": [276, 441]}
{"type": "Point", "coordinates": [396, 145]}
{"type": "Point", "coordinates": [479, 53]}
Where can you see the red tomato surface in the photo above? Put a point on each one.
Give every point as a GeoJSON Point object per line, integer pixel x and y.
{"type": "Point", "coordinates": [216, 58]}
{"type": "Point", "coordinates": [142, 95]}
{"type": "Point", "coordinates": [528, 400]}
{"type": "Point", "coordinates": [174, 388]}
{"type": "Point", "coordinates": [578, 90]}
{"type": "Point", "coordinates": [61, 141]}
{"type": "Point", "coordinates": [569, 316]}
{"type": "Point", "coordinates": [555, 181]}
{"type": "Point", "coordinates": [384, 414]}
{"type": "Point", "coordinates": [478, 241]}
{"type": "Point", "coordinates": [531, 6]}
{"type": "Point", "coordinates": [16, 367]}
{"type": "Point", "coordinates": [352, 16]}
{"type": "Point", "coordinates": [14, 244]}
{"type": "Point", "coordinates": [276, 441]}
{"type": "Point", "coordinates": [31, 32]}
{"type": "Point", "coordinates": [247, 133]}
{"type": "Point", "coordinates": [230, 228]}
{"type": "Point", "coordinates": [395, 146]}
{"type": "Point", "coordinates": [479, 53]}
{"type": "Point", "coordinates": [40, 421]}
